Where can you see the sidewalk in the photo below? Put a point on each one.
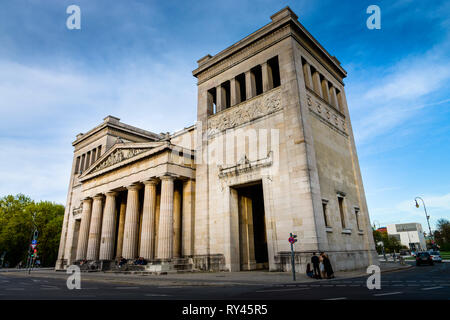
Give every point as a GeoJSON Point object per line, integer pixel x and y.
{"type": "Point", "coordinates": [201, 278]}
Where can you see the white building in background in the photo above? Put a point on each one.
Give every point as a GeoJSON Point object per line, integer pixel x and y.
{"type": "Point", "coordinates": [409, 234]}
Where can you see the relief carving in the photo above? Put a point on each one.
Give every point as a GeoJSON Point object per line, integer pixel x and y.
{"type": "Point", "coordinates": [246, 112]}
{"type": "Point", "coordinates": [118, 156]}
{"type": "Point", "coordinates": [326, 113]}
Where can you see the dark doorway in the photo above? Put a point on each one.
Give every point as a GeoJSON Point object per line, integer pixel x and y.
{"type": "Point", "coordinates": [252, 228]}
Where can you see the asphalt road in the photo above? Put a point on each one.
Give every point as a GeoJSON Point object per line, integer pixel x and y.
{"type": "Point", "coordinates": [417, 283]}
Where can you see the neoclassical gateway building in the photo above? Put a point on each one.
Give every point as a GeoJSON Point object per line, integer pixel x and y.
{"type": "Point", "coordinates": [272, 153]}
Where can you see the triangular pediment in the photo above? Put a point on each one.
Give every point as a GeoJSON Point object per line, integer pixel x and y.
{"type": "Point", "coordinates": [121, 154]}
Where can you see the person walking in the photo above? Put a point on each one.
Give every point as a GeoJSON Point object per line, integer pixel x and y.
{"type": "Point", "coordinates": [315, 262]}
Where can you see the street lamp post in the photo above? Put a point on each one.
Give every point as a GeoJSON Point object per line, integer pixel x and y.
{"type": "Point", "coordinates": [426, 214]}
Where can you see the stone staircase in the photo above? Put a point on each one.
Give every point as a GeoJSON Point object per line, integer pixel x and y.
{"type": "Point", "coordinates": [183, 264]}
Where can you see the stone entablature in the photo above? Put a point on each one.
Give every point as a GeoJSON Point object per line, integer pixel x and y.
{"type": "Point", "coordinates": [245, 53]}
{"type": "Point", "coordinates": [246, 111]}
{"type": "Point", "coordinates": [281, 27]}
{"type": "Point", "coordinates": [123, 154]}
{"type": "Point", "coordinates": [114, 123]}
{"type": "Point", "coordinates": [326, 113]}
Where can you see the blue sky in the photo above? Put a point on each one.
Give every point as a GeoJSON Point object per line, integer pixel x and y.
{"type": "Point", "coordinates": [133, 59]}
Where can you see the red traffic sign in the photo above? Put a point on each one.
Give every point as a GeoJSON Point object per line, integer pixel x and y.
{"type": "Point", "coordinates": [292, 240]}
{"type": "Point", "coordinates": [33, 246]}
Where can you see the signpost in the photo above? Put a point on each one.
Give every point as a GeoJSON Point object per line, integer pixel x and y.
{"type": "Point", "coordinates": [292, 240]}
{"type": "Point", "coordinates": [33, 251]}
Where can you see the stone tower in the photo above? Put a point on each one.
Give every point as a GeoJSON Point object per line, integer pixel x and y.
{"type": "Point", "coordinates": [277, 155]}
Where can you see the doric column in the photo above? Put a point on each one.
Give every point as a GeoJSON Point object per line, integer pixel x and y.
{"type": "Point", "coordinates": [187, 225]}
{"type": "Point", "coordinates": [176, 223]}
{"type": "Point", "coordinates": [84, 229]}
{"type": "Point", "coordinates": [250, 84]}
{"type": "Point", "coordinates": [157, 216]}
{"type": "Point", "coordinates": [307, 75]}
{"type": "Point", "coordinates": [108, 227]}
{"type": "Point", "coordinates": [148, 220]}
{"type": "Point", "coordinates": [316, 83]}
{"type": "Point", "coordinates": [95, 228]}
{"type": "Point", "coordinates": [165, 234]}
{"type": "Point", "coordinates": [120, 231]}
{"type": "Point", "coordinates": [267, 77]}
{"type": "Point", "coordinates": [131, 233]}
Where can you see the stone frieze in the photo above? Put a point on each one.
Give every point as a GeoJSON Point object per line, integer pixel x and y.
{"type": "Point", "coordinates": [118, 156]}
{"type": "Point", "coordinates": [247, 111]}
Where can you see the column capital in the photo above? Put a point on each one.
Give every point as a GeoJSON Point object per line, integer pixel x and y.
{"type": "Point", "coordinates": [87, 199]}
{"type": "Point", "coordinates": [99, 196]}
{"type": "Point", "coordinates": [111, 193]}
{"type": "Point", "coordinates": [134, 186]}
{"type": "Point", "coordinates": [167, 177]}
{"type": "Point", "coordinates": [151, 181]}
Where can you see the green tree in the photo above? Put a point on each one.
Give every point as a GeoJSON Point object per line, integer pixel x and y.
{"type": "Point", "coordinates": [48, 218]}
{"type": "Point", "coordinates": [442, 234]}
{"type": "Point", "coordinates": [393, 244]}
{"type": "Point", "coordinates": [18, 214]}
{"type": "Point", "coordinates": [390, 243]}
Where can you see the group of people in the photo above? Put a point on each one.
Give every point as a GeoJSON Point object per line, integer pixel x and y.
{"type": "Point", "coordinates": [139, 261]}
{"type": "Point", "coordinates": [322, 268]}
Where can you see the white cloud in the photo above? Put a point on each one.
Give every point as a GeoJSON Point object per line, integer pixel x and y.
{"type": "Point", "coordinates": [438, 206]}
{"type": "Point", "coordinates": [42, 109]}
{"type": "Point", "coordinates": [387, 99]}
{"type": "Point", "coordinates": [410, 82]}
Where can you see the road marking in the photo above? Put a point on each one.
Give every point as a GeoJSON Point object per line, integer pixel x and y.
{"type": "Point", "coordinates": [386, 294]}
{"type": "Point", "coordinates": [432, 288]}
{"type": "Point", "coordinates": [156, 295]}
{"type": "Point", "coordinates": [127, 288]}
{"type": "Point", "coordinates": [290, 289]}
{"type": "Point", "coordinates": [341, 298]}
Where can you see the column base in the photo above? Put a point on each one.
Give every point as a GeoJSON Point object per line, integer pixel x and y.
{"type": "Point", "coordinates": [211, 262]}
{"type": "Point", "coordinates": [61, 264]}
